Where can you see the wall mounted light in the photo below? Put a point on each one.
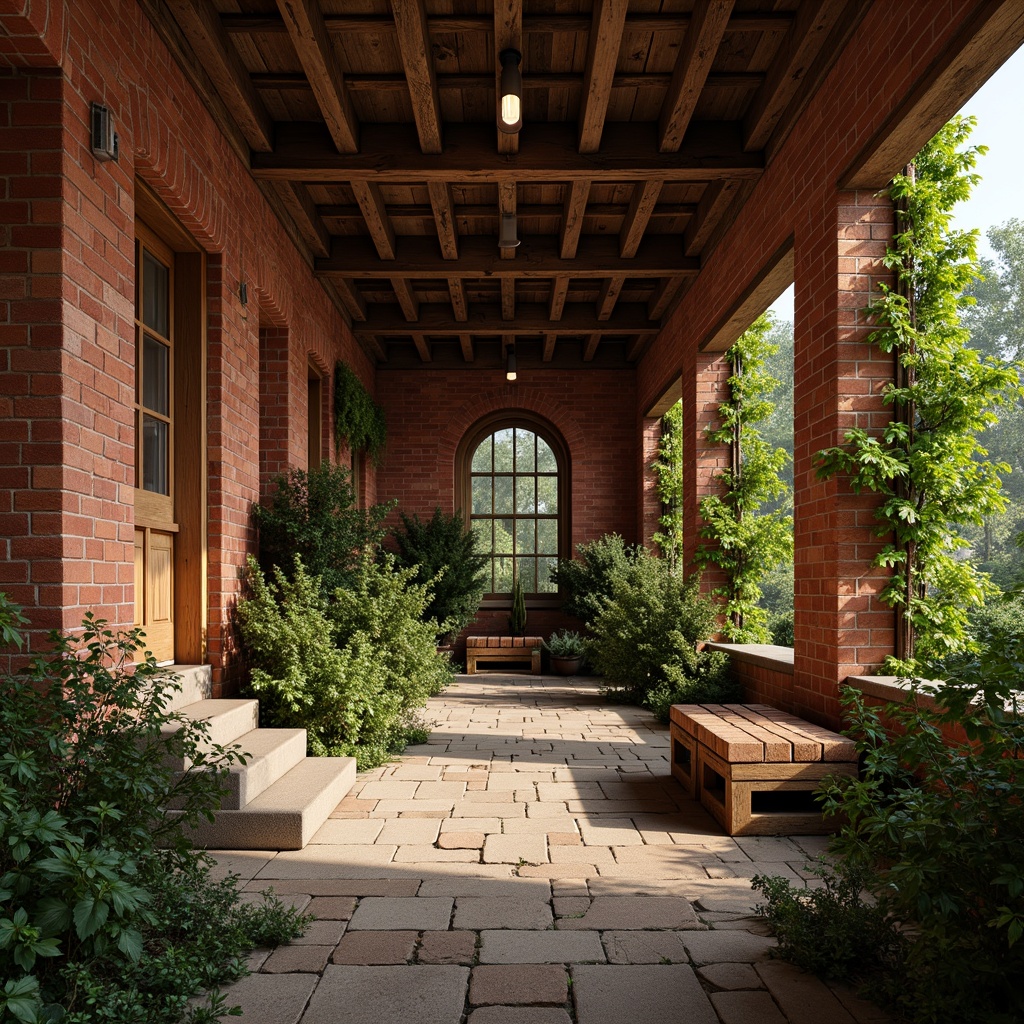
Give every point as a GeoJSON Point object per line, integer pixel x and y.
{"type": "Point", "coordinates": [103, 139]}
{"type": "Point", "coordinates": [507, 239]}
{"type": "Point", "coordinates": [510, 365]}
{"type": "Point", "coordinates": [243, 293]}
{"type": "Point", "coordinates": [511, 118]}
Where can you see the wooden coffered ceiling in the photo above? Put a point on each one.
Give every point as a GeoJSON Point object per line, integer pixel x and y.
{"type": "Point", "coordinates": [371, 126]}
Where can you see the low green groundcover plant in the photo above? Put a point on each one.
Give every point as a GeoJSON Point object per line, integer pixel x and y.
{"type": "Point", "coordinates": [934, 836]}
{"type": "Point", "coordinates": [106, 914]}
{"type": "Point", "coordinates": [646, 637]}
{"type": "Point", "coordinates": [351, 670]}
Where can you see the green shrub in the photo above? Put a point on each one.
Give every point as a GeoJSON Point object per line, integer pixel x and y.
{"type": "Point", "coordinates": [645, 639]}
{"type": "Point", "coordinates": [315, 515]}
{"type": "Point", "coordinates": [358, 420]}
{"type": "Point", "coordinates": [353, 670]}
{"type": "Point", "coordinates": [586, 581]}
{"type": "Point", "coordinates": [934, 834]}
{"type": "Point", "coordinates": [444, 554]}
{"type": "Point", "coordinates": [566, 643]}
{"type": "Point", "coordinates": [105, 912]}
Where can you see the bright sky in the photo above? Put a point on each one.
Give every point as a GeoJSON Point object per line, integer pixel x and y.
{"type": "Point", "coordinates": [999, 109]}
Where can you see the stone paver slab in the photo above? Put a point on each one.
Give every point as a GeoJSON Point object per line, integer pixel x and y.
{"type": "Point", "coordinates": [513, 887]}
{"type": "Point", "coordinates": [549, 947]}
{"type": "Point", "coordinates": [291, 959]}
{"type": "Point", "coordinates": [462, 824]}
{"type": "Point", "coordinates": [537, 826]}
{"type": "Point", "coordinates": [369, 995]}
{"type": "Point", "coordinates": [479, 913]}
{"type": "Point", "coordinates": [333, 908]}
{"type": "Point", "coordinates": [410, 830]}
{"type": "Point", "coordinates": [507, 809]}
{"type": "Point", "coordinates": [380, 913]}
{"type": "Point", "coordinates": [375, 948]}
{"type": "Point", "coordinates": [321, 933]}
{"type": "Point", "coordinates": [665, 994]}
{"type": "Point", "coordinates": [327, 861]}
{"type": "Point", "coordinates": [440, 790]}
{"type": "Point", "coordinates": [717, 947]}
{"type": "Point", "coordinates": [511, 849]}
{"type": "Point", "coordinates": [435, 855]}
{"type": "Point", "coordinates": [460, 841]}
{"type": "Point", "coordinates": [635, 912]}
{"type": "Point", "coordinates": [385, 790]}
{"type": "Point", "coordinates": [519, 1015]}
{"type": "Point", "coordinates": [747, 1008]}
{"type": "Point", "coordinates": [341, 831]}
{"type": "Point", "coordinates": [640, 947]}
{"type": "Point", "coordinates": [731, 976]}
{"type": "Point", "coordinates": [269, 999]}
{"type": "Point", "coordinates": [447, 948]}
{"type": "Point", "coordinates": [518, 985]}
{"type": "Point", "coordinates": [610, 832]}
{"type": "Point", "coordinates": [803, 998]}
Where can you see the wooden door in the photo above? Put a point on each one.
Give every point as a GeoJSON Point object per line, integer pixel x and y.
{"type": "Point", "coordinates": [155, 524]}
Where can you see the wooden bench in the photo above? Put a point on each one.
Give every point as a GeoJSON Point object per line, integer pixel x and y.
{"type": "Point", "coordinates": [755, 768]}
{"type": "Point", "coordinates": [524, 649]}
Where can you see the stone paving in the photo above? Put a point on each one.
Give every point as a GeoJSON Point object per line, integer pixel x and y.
{"type": "Point", "coordinates": [533, 863]}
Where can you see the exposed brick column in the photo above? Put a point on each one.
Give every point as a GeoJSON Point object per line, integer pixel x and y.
{"type": "Point", "coordinates": [705, 376]}
{"type": "Point", "coordinates": [275, 422]}
{"type": "Point", "coordinates": [841, 627]}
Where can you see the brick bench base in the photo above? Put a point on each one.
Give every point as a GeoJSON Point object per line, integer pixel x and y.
{"type": "Point", "coordinates": [755, 768]}
{"type": "Point", "coordinates": [525, 649]}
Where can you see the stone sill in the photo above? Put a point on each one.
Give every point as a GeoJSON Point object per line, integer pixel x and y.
{"type": "Point", "coordinates": [769, 656]}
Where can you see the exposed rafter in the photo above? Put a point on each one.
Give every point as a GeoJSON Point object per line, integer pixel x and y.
{"type": "Point", "coordinates": [641, 206]}
{"type": "Point", "coordinates": [444, 218]}
{"type": "Point", "coordinates": [414, 45]}
{"type": "Point", "coordinates": [609, 19]}
{"type": "Point", "coordinates": [375, 214]}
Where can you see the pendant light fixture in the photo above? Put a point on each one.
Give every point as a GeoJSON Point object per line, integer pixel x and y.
{"type": "Point", "coordinates": [510, 364]}
{"type": "Point", "coordinates": [511, 116]}
{"type": "Point", "coordinates": [507, 239]}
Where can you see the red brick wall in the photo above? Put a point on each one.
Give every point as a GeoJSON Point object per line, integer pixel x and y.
{"type": "Point", "coordinates": [648, 503]}
{"type": "Point", "coordinates": [67, 350]}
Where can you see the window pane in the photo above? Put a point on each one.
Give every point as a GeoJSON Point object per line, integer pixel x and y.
{"type": "Point", "coordinates": [526, 495]}
{"type": "Point", "coordinates": [155, 376]}
{"type": "Point", "coordinates": [547, 495]}
{"type": "Point", "coordinates": [526, 569]}
{"type": "Point", "coordinates": [545, 458]}
{"type": "Point", "coordinates": [503, 575]}
{"type": "Point", "coordinates": [503, 536]}
{"type": "Point", "coordinates": [503, 451]}
{"type": "Point", "coordinates": [154, 455]}
{"type": "Point", "coordinates": [525, 460]}
{"type": "Point", "coordinates": [482, 457]}
{"type": "Point", "coordinates": [544, 567]}
{"type": "Point", "coordinates": [482, 496]}
{"type": "Point", "coordinates": [526, 537]}
{"type": "Point", "coordinates": [482, 531]}
{"type": "Point", "coordinates": [503, 495]}
{"type": "Point", "coordinates": [547, 536]}
{"type": "Point", "coordinates": [155, 295]}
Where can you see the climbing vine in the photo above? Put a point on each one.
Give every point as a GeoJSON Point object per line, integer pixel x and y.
{"type": "Point", "coordinates": [927, 464]}
{"type": "Point", "coordinates": [668, 473]}
{"type": "Point", "coordinates": [358, 419]}
{"type": "Point", "coordinates": [746, 543]}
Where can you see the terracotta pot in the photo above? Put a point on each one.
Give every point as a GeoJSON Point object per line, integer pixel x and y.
{"type": "Point", "coordinates": [566, 666]}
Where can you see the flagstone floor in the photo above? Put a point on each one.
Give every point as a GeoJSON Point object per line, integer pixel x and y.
{"type": "Point", "coordinates": [533, 863]}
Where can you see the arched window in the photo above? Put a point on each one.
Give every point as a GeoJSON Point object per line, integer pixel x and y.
{"type": "Point", "coordinates": [513, 489]}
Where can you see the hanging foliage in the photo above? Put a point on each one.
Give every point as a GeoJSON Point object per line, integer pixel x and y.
{"type": "Point", "coordinates": [668, 473]}
{"type": "Point", "coordinates": [358, 419]}
{"type": "Point", "coordinates": [927, 465]}
{"type": "Point", "coordinates": [746, 543]}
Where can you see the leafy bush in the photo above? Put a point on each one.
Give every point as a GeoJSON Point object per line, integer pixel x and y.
{"type": "Point", "coordinates": [315, 515]}
{"type": "Point", "coordinates": [566, 643]}
{"type": "Point", "coordinates": [586, 581]}
{"type": "Point", "coordinates": [646, 636]}
{"type": "Point", "coordinates": [777, 600]}
{"type": "Point", "coordinates": [831, 930]}
{"type": "Point", "coordinates": [934, 834]}
{"type": "Point", "coordinates": [352, 670]}
{"type": "Point", "coordinates": [444, 554]}
{"type": "Point", "coordinates": [358, 420]}
{"type": "Point", "coordinates": [105, 912]}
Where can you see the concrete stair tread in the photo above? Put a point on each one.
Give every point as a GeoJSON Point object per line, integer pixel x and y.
{"type": "Point", "coordinates": [272, 754]}
{"type": "Point", "coordinates": [228, 719]}
{"type": "Point", "coordinates": [286, 815]}
{"type": "Point", "coordinates": [195, 682]}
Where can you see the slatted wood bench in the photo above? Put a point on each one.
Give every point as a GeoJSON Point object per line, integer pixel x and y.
{"type": "Point", "coordinates": [524, 649]}
{"type": "Point", "coordinates": [755, 768]}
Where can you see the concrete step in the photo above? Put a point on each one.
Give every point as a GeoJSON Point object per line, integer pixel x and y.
{"type": "Point", "coordinates": [287, 814]}
{"type": "Point", "coordinates": [228, 719]}
{"type": "Point", "coordinates": [273, 753]}
{"type": "Point", "coordinates": [195, 681]}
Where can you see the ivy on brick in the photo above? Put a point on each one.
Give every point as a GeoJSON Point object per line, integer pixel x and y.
{"type": "Point", "coordinates": [358, 420]}
{"type": "Point", "coordinates": [668, 473]}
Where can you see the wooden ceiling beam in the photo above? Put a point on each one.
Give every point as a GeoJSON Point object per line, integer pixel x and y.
{"type": "Point", "coordinates": [638, 216]}
{"type": "Point", "coordinates": [435, 319]}
{"type": "Point", "coordinates": [508, 298]}
{"type": "Point", "coordinates": [348, 292]}
{"type": "Point", "coordinates": [573, 211]}
{"type": "Point", "coordinates": [466, 344]}
{"type": "Point", "coordinates": [391, 153]}
{"type": "Point", "coordinates": [508, 35]}
{"type": "Point", "coordinates": [205, 33]}
{"type": "Point", "coordinates": [415, 256]}
{"type": "Point", "coordinates": [717, 198]}
{"type": "Point", "coordinates": [420, 211]}
{"type": "Point", "coordinates": [811, 29]}
{"type": "Point", "coordinates": [608, 296]}
{"type": "Point", "coordinates": [590, 347]}
{"type": "Point", "coordinates": [636, 348]}
{"type": "Point", "coordinates": [506, 207]}
{"type": "Point", "coordinates": [693, 64]}
{"type": "Point", "coordinates": [559, 291]}
{"type": "Point", "coordinates": [315, 50]}
{"type": "Point", "coordinates": [609, 20]}
{"type": "Point", "coordinates": [549, 346]}
{"type": "Point", "coordinates": [663, 296]}
{"type": "Point", "coordinates": [422, 347]}
{"type": "Point", "coordinates": [460, 307]}
{"type": "Point", "coordinates": [539, 24]}
{"type": "Point", "coordinates": [414, 45]}
{"type": "Point", "coordinates": [444, 218]}
{"type": "Point", "coordinates": [302, 210]}
{"type": "Point", "coordinates": [407, 300]}
{"type": "Point", "coordinates": [375, 214]}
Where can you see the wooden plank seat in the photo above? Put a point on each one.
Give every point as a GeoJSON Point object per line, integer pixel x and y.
{"type": "Point", "coordinates": [755, 768]}
{"type": "Point", "coordinates": [525, 649]}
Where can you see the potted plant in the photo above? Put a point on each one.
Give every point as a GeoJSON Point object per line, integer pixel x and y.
{"type": "Point", "coordinates": [567, 649]}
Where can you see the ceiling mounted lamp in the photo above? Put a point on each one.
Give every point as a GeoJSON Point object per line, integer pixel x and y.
{"type": "Point", "coordinates": [507, 239]}
{"type": "Point", "coordinates": [510, 365]}
{"type": "Point", "coordinates": [511, 117]}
